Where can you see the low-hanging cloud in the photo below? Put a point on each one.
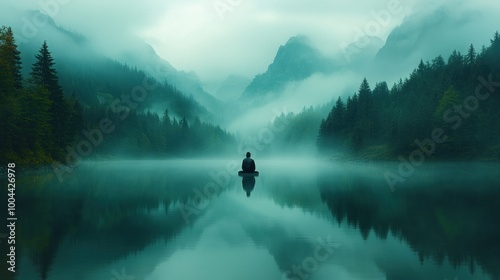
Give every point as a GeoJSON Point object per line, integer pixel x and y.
{"type": "Point", "coordinates": [318, 89]}
{"type": "Point", "coordinates": [242, 38]}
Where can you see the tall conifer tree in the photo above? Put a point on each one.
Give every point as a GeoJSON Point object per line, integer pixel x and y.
{"type": "Point", "coordinates": [44, 74]}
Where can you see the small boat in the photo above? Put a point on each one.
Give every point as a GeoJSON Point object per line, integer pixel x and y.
{"type": "Point", "coordinates": [242, 173]}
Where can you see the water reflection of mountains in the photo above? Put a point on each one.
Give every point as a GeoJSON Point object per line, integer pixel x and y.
{"type": "Point", "coordinates": [441, 213]}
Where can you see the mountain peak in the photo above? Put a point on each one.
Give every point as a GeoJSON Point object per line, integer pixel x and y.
{"type": "Point", "coordinates": [299, 39]}
{"type": "Point", "coordinates": [426, 34]}
{"type": "Point", "coordinates": [294, 61]}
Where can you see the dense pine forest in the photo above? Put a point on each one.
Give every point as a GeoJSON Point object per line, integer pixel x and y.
{"type": "Point", "coordinates": [37, 121]}
{"type": "Point", "coordinates": [448, 110]}
{"type": "Point", "coordinates": [46, 118]}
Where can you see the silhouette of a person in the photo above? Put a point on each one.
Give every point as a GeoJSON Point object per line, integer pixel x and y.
{"type": "Point", "coordinates": [248, 164]}
{"type": "Point", "coordinates": [248, 183]}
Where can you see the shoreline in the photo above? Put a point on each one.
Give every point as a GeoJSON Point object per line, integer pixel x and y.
{"type": "Point", "coordinates": [41, 169]}
{"type": "Point", "coordinates": [373, 160]}
{"type": "Point", "coordinates": [350, 159]}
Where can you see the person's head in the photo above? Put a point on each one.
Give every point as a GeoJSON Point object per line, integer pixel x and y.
{"type": "Point", "coordinates": [248, 154]}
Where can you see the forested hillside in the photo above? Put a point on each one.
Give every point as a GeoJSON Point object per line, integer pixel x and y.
{"type": "Point", "coordinates": [448, 109]}
{"type": "Point", "coordinates": [99, 110]}
{"type": "Point", "coordinates": [37, 121]}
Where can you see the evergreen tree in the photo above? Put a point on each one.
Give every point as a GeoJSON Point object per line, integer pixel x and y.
{"type": "Point", "coordinates": [166, 119]}
{"type": "Point", "coordinates": [438, 63]}
{"type": "Point", "coordinates": [496, 39]}
{"type": "Point", "coordinates": [380, 93]}
{"type": "Point", "coordinates": [36, 119]}
{"type": "Point", "coordinates": [338, 118]}
{"type": "Point", "coordinates": [471, 55]}
{"type": "Point", "coordinates": [10, 84]}
{"type": "Point", "coordinates": [184, 124]}
{"type": "Point", "coordinates": [364, 99]}
{"type": "Point", "coordinates": [44, 74]}
{"type": "Point", "coordinates": [435, 95]}
{"type": "Point", "coordinates": [351, 111]}
{"type": "Point", "coordinates": [321, 139]}
{"type": "Point", "coordinates": [456, 60]}
{"type": "Point", "coordinates": [11, 56]}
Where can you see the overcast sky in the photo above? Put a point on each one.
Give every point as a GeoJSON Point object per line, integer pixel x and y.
{"type": "Point", "coordinates": [216, 38]}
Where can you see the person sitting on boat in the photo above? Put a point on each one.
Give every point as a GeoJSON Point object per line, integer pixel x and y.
{"type": "Point", "coordinates": [248, 164]}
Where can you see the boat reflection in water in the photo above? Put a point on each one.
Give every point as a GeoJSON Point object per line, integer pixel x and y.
{"type": "Point", "coordinates": [248, 180]}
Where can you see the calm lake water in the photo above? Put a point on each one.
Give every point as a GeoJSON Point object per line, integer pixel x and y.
{"type": "Point", "coordinates": [197, 219]}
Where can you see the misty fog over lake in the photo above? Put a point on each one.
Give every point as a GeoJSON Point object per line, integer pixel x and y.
{"type": "Point", "coordinates": [148, 140]}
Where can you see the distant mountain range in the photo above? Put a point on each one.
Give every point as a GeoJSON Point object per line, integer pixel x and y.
{"type": "Point", "coordinates": [419, 36]}
{"type": "Point", "coordinates": [93, 78]}
{"type": "Point", "coordinates": [423, 35]}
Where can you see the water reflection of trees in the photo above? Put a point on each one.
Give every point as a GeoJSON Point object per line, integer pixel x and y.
{"type": "Point", "coordinates": [119, 212]}
{"type": "Point", "coordinates": [451, 213]}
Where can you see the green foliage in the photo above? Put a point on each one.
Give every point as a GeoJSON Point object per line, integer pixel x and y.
{"type": "Point", "coordinates": [35, 122]}
{"type": "Point", "coordinates": [102, 81]}
{"type": "Point", "coordinates": [39, 123]}
{"type": "Point", "coordinates": [11, 61]}
{"type": "Point", "coordinates": [434, 96]}
{"type": "Point", "coordinates": [450, 98]}
{"type": "Point", "coordinates": [44, 75]}
{"type": "Point", "coordinates": [10, 86]}
{"type": "Point", "coordinates": [148, 135]}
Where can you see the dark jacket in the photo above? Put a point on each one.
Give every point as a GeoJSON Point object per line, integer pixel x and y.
{"type": "Point", "coordinates": [248, 165]}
